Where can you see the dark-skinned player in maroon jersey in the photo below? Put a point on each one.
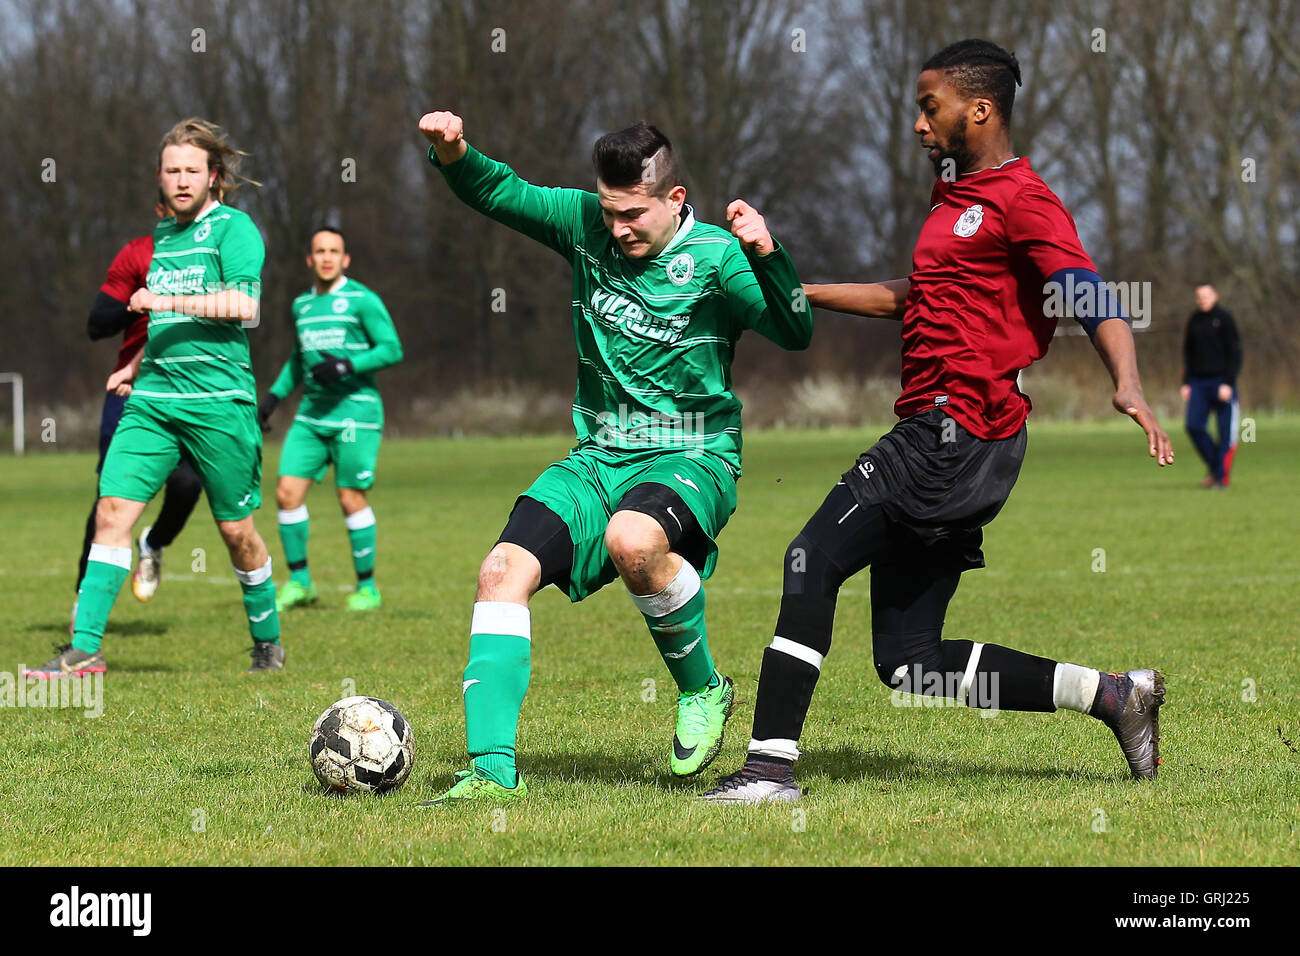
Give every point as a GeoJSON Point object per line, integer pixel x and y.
{"type": "Point", "coordinates": [997, 242]}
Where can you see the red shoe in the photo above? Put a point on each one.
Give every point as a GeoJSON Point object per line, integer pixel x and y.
{"type": "Point", "coordinates": [1227, 464]}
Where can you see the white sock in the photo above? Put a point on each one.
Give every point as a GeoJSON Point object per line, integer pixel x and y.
{"type": "Point", "coordinates": [256, 576]}
{"type": "Point", "coordinates": [293, 515]}
{"type": "Point", "coordinates": [775, 747]}
{"type": "Point", "coordinates": [502, 617]}
{"type": "Point", "coordinates": [1074, 687]}
{"type": "Point", "coordinates": [684, 586]}
{"type": "Point", "coordinates": [360, 519]}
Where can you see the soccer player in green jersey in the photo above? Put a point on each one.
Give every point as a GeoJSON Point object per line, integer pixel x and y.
{"type": "Point", "coordinates": [194, 395]}
{"type": "Point", "coordinates": [344, 335]}
{"type": "Point", "coordinates": [659, 301]}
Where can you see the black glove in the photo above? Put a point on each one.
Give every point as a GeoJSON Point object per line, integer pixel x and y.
{"type": "Point", "coordinates": [331, 370]}
{"type": "Point", "coordinates": [264, 412]}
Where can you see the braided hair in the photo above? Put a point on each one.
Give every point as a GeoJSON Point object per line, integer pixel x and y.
{"type": "Point", "coordinates": [980, 68]}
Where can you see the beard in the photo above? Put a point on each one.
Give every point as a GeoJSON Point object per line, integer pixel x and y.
{"type": "Point", "coordinates": [198, 199]}
{"type": "Point", "coordinates": [956, 156]}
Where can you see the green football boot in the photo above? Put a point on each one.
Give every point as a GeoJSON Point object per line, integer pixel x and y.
{"type": "Point", "coordinates": [294, 594]}
{"type": "Point", "coordinates": [471, 786]}
{"type": "Point", "coordinates": [700, 718]}
{"type": "Point", "coordinates": [364, 599]}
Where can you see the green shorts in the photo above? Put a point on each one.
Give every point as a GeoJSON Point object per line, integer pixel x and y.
{"type": "Point", "coordinates": [585, 488]}
{"type": "Point", "coordinates": [309, 450]}
{"type": "Point", "coordinates": [221, 439]}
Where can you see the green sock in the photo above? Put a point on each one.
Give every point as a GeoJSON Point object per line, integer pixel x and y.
{"type": "Point", "coordinates": [675, 617]}
{"type": "Point", "coordinates": [259, 603]}
{"type": "Point", "coordinates": [361, 534]}
{"type": "Point", "coordinates": [494, 685]}
{"type": "Point", "coordinates": [293, 535]}
{"type": "Point", "coordinates": [106, 569]}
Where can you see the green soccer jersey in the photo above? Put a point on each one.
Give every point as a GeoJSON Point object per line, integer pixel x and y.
{"type": "Point", "coordinates": [190, 359]}
{"type": "Point", "coordinates": [655, 337]}
{"type": "Point", "coordinates": [349, 321]}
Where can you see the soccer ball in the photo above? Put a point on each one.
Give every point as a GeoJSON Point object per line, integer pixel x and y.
{"type": "Point", "coordinates": [361, 745]}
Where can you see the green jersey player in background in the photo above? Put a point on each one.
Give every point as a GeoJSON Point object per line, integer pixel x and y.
{"type": "Point", "coordinates": [194, 395]}
{"type": "Point", "coordinates": [659, 301]}
{"type": "Point", "coordinates": [344, 335]}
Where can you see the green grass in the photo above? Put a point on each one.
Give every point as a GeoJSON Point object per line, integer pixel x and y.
{"type": "Point", "coordinates": [194, 763]}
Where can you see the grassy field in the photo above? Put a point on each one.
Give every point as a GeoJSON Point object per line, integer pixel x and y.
{"type": "Point", "coordinates": [194, 763]}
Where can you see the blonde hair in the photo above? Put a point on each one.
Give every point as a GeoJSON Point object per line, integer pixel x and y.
{"type": "Point", "coordinates": [222, 157]}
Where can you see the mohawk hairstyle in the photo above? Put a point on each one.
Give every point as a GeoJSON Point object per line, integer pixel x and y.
{"type": "Point", "coordinates": [640, 154]}
{"type": "Point", "coordinates": [980, 68]}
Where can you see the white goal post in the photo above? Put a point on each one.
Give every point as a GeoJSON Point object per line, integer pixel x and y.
{"type": "Point", "coordinates": [16, 380]}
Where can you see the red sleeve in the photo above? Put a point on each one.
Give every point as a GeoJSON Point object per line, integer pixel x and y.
{"type": "Point", "coordinates": [129, 269]}
{"type": "Point", "coordinates": [1042, 232]}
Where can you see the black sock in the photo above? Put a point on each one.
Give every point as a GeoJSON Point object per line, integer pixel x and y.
{"type": "Point", "coordinates": [769, 768]}
{"type": "Point", "coordinates": [1004, 679]}
{"type": "Point", "coordinates": [786, 682]}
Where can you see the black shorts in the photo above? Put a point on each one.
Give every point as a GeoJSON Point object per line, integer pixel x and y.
{"type": "Point", "coordinates": [938, 480]}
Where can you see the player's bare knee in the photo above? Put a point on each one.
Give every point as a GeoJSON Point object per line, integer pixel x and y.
{"type": "Point", "coordinates": [114, 518]}
{"type": "Point", "coordinates": [503, 577]}
{"type": "Point", "coordinates": [351, 500]}
{"type": "Point", "coordinates": [240, 536]}
{"type": "Point", "coordinates": [632, 543]}
{"type": "Point", "coordinates": [107, 515]}
{"type": "Point", "coordinates": [285, 499]}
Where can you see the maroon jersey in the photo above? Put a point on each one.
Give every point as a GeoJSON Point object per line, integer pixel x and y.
{"type": "Point", "coordinates": [126, 274]}
{"type": "Point", "coordinates": [974, 315]}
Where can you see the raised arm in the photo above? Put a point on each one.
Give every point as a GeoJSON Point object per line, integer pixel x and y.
{"type": "Point", "coordinates": [877, 300]}
{"type": "Point", "coordinates": [553, 216]}
{"type": "Point", "coordinates": [761, 283]}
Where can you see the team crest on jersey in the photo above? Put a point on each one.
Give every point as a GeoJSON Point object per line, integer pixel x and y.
{"type": "Point", "coordinates": [340, 305]}
{"type": "Point", "coordinates": [681, 268]}
{"type": "Point", "coordinates": [203, 232]}
{"type": "Point", "coordinates": [968, 223]}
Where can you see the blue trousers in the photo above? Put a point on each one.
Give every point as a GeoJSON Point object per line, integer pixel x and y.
{"type": "Point", "coordinates": [1203, 401]}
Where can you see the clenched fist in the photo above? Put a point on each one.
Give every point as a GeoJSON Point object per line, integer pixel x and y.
{"type": "Point", "coordinates": [446, 131]}
{"type": "Point", "coordinates": [750, 228]}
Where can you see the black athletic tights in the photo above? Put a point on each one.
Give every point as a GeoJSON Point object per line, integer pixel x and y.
{"type": "Point", "coordinates": [911, 586]}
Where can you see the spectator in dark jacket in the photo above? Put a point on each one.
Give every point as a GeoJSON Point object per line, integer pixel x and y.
{"type": "Point", "coordinates": [1211, 362]}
